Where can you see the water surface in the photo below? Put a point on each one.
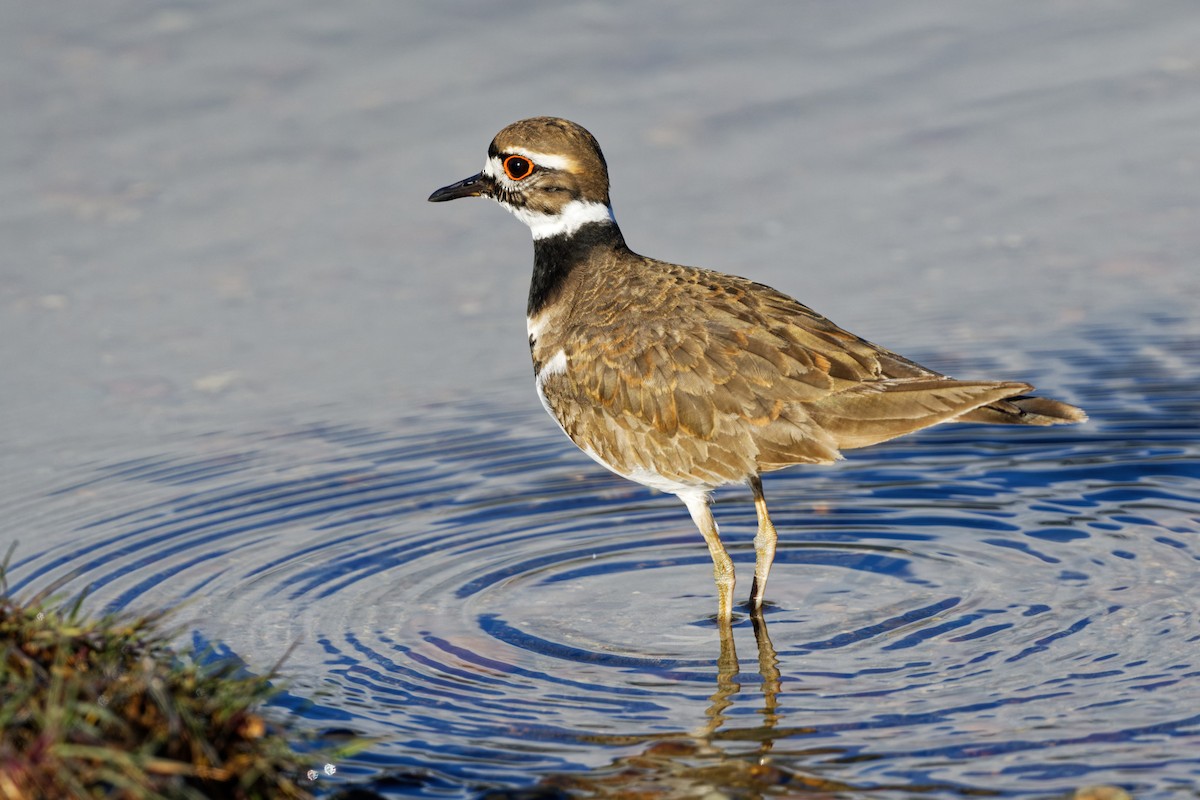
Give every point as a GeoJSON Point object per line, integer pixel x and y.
{"type": "Point", "coordinates": [250, 374]}
{"type": "Point", "coordinates": [971, 608]}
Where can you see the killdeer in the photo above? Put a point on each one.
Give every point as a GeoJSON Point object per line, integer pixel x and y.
{"type": "Point", "coordinates": [686, 379]}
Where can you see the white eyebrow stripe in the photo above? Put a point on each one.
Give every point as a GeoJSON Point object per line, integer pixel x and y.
{"type": "Point", "coordinates": [544, 159]}
{"type": "Point", "coordinates": [494, 167]}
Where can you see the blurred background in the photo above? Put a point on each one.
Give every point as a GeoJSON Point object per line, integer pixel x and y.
{"type": "Point", "coordinates": [214, 213]}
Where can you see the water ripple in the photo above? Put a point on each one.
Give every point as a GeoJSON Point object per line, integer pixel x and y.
{"type": "Point", "coordinates": [969, 609]}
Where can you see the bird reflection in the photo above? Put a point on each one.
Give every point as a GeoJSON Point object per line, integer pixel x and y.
{"type": "Point", "coordinates": [686, 765]}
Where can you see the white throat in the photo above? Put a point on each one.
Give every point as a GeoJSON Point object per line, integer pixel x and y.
{"type": "Point", "coordinates": [574, 215]}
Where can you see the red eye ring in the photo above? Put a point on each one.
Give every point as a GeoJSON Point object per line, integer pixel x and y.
{"type": "Point", "coordinates": [518, 167]}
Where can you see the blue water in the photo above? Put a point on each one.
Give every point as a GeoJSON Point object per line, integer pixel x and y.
{"type": "Point", "coordinates": [967, 609]}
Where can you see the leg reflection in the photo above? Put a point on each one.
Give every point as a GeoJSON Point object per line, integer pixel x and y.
{"type": "Point", "coordinates": [728, 683]}
{"type": "Point", "coordinates": [717, 753]}
{"type": "Point", "coordinates": [768, 668]}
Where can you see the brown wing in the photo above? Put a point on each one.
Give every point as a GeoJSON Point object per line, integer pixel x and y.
{"type": "Point", "coordinates": [697, 373]}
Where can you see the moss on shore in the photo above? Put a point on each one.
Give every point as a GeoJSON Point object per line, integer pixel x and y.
{"type": "Point", "coordinates": [106, 708]}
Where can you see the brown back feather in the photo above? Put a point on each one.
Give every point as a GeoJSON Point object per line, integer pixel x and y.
{"type": "Point", "coordinates": [691, 372]}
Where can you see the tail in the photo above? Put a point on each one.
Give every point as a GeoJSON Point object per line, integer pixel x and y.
{"type": "Point", "coordinates": [1025, 410]}
{"type": "Point", "coordinates": [876, 411]}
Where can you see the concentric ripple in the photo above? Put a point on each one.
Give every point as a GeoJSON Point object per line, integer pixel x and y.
{"type": "Point", "coordinates": [968, 609]}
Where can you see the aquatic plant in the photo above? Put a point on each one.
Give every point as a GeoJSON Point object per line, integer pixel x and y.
{"type": "Point", "coordinates": [106, 708]}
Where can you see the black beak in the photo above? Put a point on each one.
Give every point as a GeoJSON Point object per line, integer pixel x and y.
{"type": "Point", "coordinates": [467, 187]}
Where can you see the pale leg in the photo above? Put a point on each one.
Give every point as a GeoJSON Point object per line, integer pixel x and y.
{"type": "Point", "coordinates": [764, 546]}
{"type": "Point", "coordinates": [697, 504]}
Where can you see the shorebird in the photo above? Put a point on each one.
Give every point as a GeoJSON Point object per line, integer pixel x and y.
{"type": "Point", "coordinates": [685, 379]}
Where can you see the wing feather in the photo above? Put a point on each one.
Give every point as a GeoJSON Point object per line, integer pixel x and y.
{"type": "Point", "coordinates": [708, 378]}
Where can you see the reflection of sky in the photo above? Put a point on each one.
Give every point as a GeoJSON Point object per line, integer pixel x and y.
{"type": "Point", "coordinates": [992, 601]}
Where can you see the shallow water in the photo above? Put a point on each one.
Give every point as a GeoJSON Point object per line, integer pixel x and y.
{"type": "Point", "coordinates": [970, 608]}
{"type": "Point", "coordinates": [247, 371]}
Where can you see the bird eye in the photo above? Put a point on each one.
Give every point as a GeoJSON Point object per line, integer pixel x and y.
{"type": "Point", "coordinates": [518, 167]}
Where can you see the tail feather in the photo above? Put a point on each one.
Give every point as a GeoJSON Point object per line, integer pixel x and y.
{"type": "Point", "coordinates": [878, 411]}
{"type": "Point", "coordinates": [1025, 410]}
{"type": "Point", "coordinates": [875, 412]}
